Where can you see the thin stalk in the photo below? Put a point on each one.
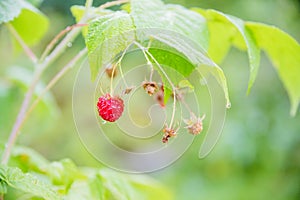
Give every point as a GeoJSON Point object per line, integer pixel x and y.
{"type": "Point", "coordinates": [114, 68]}
{"type": "Point", "coordinates": [56, 39]}
{"type": "Point", "coordinates": [54, 80]}
{"type": "Point", "coordinates": [27, 50]}
{"type": "Point", "coordinates": [171, 83]}
{"type": "Point", "coordinates": [149, 63]}
{"type": "Point", "coordinates": [59, 49]}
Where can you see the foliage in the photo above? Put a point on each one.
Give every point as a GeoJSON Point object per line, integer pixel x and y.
{"type": "Point", "coordinates": [200, 38]}
{"type": "Point", "coordinates": [64, 180]}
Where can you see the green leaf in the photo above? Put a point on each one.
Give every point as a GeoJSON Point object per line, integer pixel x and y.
{"type": "Point", "coordinates": [175, 65]}
{"type": "Point", "coordinates": [78, 12]}
{"type": "Point", "coordinates": [186, 84]}
{"type": "Point", "coordinates": [284, 52]}
{"type": "Point", "coordinates": [195, 56]}
{"type": "Point", "coordinates": [3, 187]}
{"type": "Point", "coordinates": [64, 173]}
{"type": "Point", "coordinates": [121, 186]}
{"type": "Point", "coordinates": [31, 24]}
{"type": "Point", "coordinates": [26, 182]}
{"type": "Point", "coordinates": [108, 36]}
{"type": "Point", "coordinates": [224, 29]}
{"type": "Point", "coordinates": [28, 160]}
{"type": "Point", "coordinates": [9, 9]}
{"type": "Point", "coordinates": [81, 190]}
{"type": "Point", "coordinates": [154, 14]}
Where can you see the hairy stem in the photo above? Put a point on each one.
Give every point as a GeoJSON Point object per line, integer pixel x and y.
{"type": "Point", "coordinates": [172, 85]}
{"type": "Point", "coordinates": [56, 38]}
{"type": "Point", "coordinates": [114, 69]}
{"type": "Point", "coordinates": [54, 80]}
{"type": "Point", "coordinates": [146, 52]}
{"type": "Point", "coordinates": [27, 50]}
{"type": "Point", "coordinates": [58, 50]}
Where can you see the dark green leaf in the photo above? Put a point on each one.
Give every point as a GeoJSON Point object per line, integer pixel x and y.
{"type": "Point", "coordinates": [3, 187]}
{"type": "Point", "coordinates": [195, 56]}
{"type": "Point", "coordinates": [108, 36]}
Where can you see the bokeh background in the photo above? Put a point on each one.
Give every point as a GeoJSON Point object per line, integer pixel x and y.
{"type": "Point", "coordinates": [258, 155]}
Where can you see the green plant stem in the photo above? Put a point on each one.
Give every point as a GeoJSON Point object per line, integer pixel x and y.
{"type": "Point", "coordinates": [114, 68]}
{"type": "Point", "coordinates": [59, 49]}
{"type": "Point", "coordinates": [37, 75]}
{"type": "Point", "coordinates": [56, 38]}
{"type": "Point", "coordinates": [171, 83]}
{"type": "Point", "coordinates": [53, 81]}
{"type": "Point", "coordinates": [146, 52]}
{"type": "Point", "coordinates": [27, 50]}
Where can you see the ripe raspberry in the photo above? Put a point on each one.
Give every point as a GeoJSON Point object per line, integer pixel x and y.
{"type": "Point", "coordinates": [110, 108]}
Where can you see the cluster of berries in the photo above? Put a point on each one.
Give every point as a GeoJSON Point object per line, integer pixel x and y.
{"type": "Point", "coordinates": [110, 108]}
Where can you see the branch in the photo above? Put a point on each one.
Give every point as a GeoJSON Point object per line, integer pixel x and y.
{"type": "Point", "coordinates": [27, 50]}
{"type": "Point", "coordinates": [54, 80]}
{"type": "Point", "coordinates": [57, 37]}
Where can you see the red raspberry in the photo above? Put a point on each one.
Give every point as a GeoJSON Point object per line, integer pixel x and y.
{"type": "Point", "coordinates": [110, 108]}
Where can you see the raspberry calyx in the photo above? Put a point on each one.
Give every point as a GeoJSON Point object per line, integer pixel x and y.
{"type": "Point", "coordinates": [194, 124]}
{"type": "Point", "coordinates": [110, 108]}
{"type": "Point", "coordinates": [150, 87]}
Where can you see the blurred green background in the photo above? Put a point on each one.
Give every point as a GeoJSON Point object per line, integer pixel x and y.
{"type": "Point", "coordinates": [258, 155]}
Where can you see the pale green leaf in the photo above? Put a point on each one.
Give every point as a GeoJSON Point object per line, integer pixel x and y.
{"type": "Point", "coordinates": [31, 24]}
{"type": "Point", "coordinates": [108, 36]}
{"type": "Point", "coordinates": [64, 172]}
{"type": "Point", "coordinates": [155, 15]}
{"type": "Point", "coordinates": [9, 9]}
{"type": "Point", "coordinates": [81, 190]}
{"type": "Point", "coordinates": [78, 12]}
{"type": "Point", "coordinates": [284, 52]}
{"type": "Point", "coordinates": [28, 160]}
{"type": "Point", "coordinates": [227, 26]}
{"type": "Point", "coordinates": [122, 186]}
{"type": "Point", "coordinates": [27, 183]}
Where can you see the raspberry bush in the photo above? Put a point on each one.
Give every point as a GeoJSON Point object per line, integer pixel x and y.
{"type": "Point", "coordinates": [174, 41]}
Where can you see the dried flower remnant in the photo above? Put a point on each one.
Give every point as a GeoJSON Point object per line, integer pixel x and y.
{"type": "Point", "coordinates": [150, 87]}
{"type": "Point", "coordinates": [194, 124]}
{"type": "Point", "coordinates": [168, 133]}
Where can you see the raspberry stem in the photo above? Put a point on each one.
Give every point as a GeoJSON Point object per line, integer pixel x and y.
{"type": "Point", "coordinates": [40, 68]}
{"type": "Point", "coordinates": [147, 53]}
{"type": "Point", "coordinates": [27, 50]}
{"type": "Point", "coordinates": [118, 63]}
